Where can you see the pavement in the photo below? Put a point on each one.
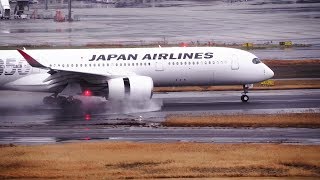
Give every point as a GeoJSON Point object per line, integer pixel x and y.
{"type": "Point", "coordinates": [25, 121]}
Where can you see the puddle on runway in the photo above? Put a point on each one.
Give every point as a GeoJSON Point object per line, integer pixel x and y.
{"type": "Point", "coordinates": [26, 109]}
{"type": "Point", "coordinates": [38, 124]}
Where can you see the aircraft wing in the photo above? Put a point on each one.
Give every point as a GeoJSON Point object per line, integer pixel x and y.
{"type": "Point", "coordinates": [109, 74]}
{"type": "Point", "coordinates": [61, 77]}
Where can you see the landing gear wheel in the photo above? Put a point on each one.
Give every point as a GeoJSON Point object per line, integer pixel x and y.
{"type": "Point", "coordinates": [76, 103]}
{"type": "Point", "coordinates": [49, 100]}
{"type": "Point", "coordinates": [62, 101]}
{"type": "Point", "coordinates": [244, 98]}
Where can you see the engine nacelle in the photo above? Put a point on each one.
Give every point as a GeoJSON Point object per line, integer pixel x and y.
{"type": "Point", "coordinates": [132, 88]}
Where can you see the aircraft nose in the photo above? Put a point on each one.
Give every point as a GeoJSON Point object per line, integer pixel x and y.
{"type": "Point", "coordinates": [268, 72]}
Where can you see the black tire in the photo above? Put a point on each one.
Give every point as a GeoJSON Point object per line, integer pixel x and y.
{"type": "Point", "coordinates": [76, 102]}
{"type": "Point", "coordinates": [48, 100]}
{"type": "Point", "coordinates": [244, 98]}
{"type": "Point", "coordinates": [62, 101]}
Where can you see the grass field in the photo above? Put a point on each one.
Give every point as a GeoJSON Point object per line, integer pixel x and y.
{"type": "Point", "coordinates": [158, 160]}
{"type": "Point", "coordinates": [301, 120]}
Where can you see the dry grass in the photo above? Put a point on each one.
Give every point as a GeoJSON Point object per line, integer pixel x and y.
{"type": "Point", "coordinates": [290, 84]}
{"type": "Point", "coordinates": [308, 120]}
{"type": "Point", "coordinates": [164, 160]}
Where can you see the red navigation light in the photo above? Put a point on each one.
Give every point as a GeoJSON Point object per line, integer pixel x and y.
{"type": "Point", "coordinates": [87, 93]}
{"type": "Point", "coordinates": [87, 117]}
{"type": "Point", "coordinates": [183, 44]}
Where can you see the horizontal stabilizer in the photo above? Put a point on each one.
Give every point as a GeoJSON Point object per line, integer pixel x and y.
{"type": "Point", "coordinates": [31, 60]}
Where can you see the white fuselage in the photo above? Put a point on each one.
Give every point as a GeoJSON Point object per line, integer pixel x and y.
{"type": "Point", "coordinates": [166, 66]}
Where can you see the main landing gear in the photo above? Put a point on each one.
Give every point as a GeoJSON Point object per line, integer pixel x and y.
{"type": "Point", "coordinates": [245, 97]}
{"type": "Point", "coordinates": [61, 101]}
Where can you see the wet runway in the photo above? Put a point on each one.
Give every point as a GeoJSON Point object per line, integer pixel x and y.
{"type": "Point", "coordinates": [23, 120]}
{"type": "Point", "coordinates": [34, 135]}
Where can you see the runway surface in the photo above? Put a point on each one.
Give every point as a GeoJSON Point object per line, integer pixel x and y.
{"type": "Point", "coordinates": [23, 120]}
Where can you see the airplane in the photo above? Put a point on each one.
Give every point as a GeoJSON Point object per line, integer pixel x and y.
{"type": "Point", "coordinates": [123, 74]}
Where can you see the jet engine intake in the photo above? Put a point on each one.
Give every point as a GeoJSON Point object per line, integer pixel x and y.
{"type": "Point", "coordinates": [138, 88]}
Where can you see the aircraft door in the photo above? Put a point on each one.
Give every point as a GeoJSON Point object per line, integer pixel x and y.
{"type": "Point", "coordinates": [159, 66]}
{"type": "Point", "coordinates": [234, 62]}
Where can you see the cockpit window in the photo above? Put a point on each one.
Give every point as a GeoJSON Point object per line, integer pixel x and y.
{"type": "Point", "coordinates": [256, 61]}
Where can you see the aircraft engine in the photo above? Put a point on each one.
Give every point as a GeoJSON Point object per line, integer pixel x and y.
{"type": "Point", "coordinates": [137, 88]}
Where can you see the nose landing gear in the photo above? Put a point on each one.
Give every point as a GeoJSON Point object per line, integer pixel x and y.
{"type": "Point", "coordinates": [245, 97]}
